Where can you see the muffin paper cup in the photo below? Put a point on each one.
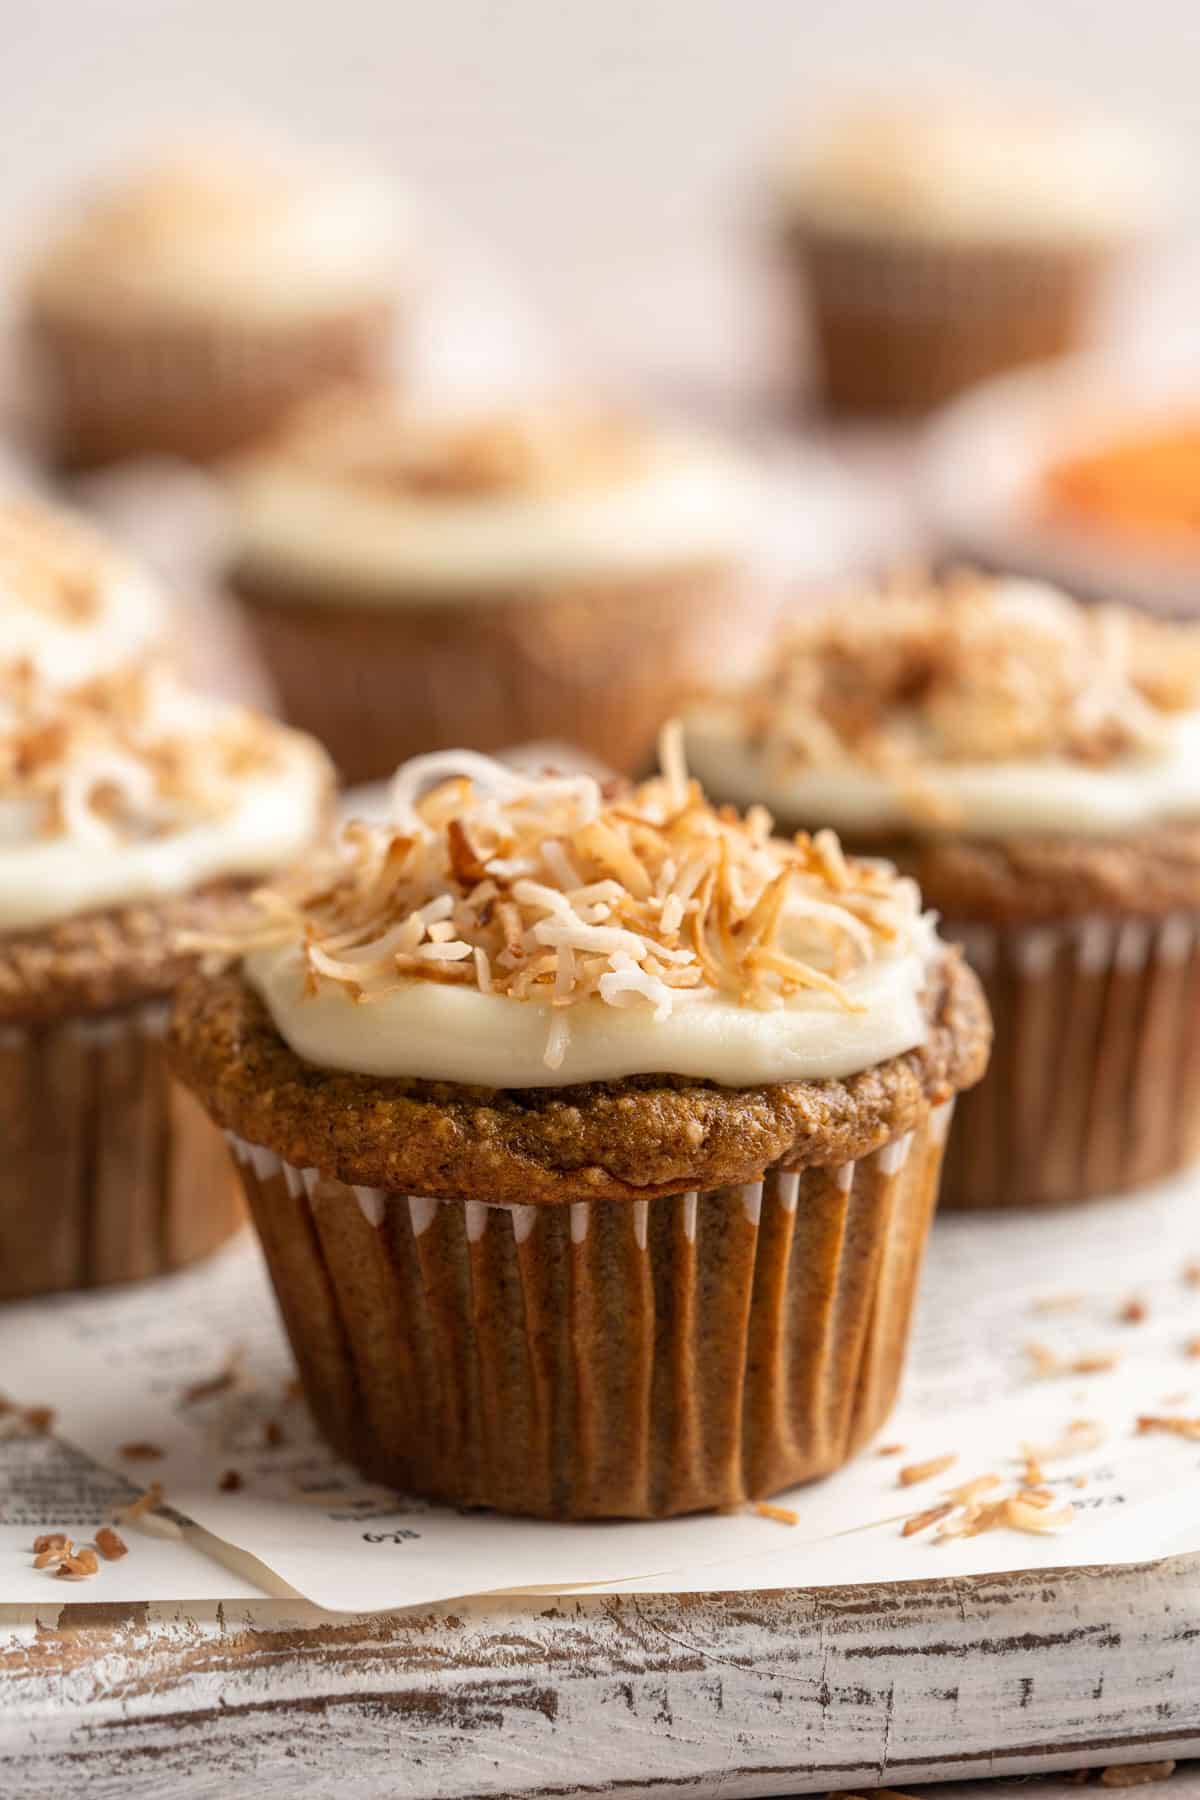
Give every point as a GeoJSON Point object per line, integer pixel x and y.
{"type": "Point", "coordinates": [602, 1358]}
{"type": "Point", "coordinates": [1094, 1082]}
{"type": "Point", "coordinates": [196, 389]}
{"type": "Point", "coordinates": [109, 1170]}
{"type": "Point", "coordinates": [900, 327]}
{"type": "Point", "coordinates": [600, 668]}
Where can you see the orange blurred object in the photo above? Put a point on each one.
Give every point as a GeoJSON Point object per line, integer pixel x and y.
{"type": "Point", "coordinates": [1144, 486]}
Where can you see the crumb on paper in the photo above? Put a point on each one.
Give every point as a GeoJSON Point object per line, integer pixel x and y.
{"type": "Point", "coordinates": [51, 1549]}
{"type": "Point", "coordinates": [1174, 1424]}
{"type": "Point", "coordinates": [1134, 1312]}
{"type": "Point", "coordinates": [110, 1544]}
{"type": "Point", "coordinates": [140, 1452]}
{"type": "Point", "coordinates": [39, 1419]}
{"type": "Point", "coordinates": [1192, 1347]}
{"type": "Point", "coordinates": [1047, 1363]}
{"type": "Point", "coordinates": [1191, 1272]}
{"type": "Point", "coordinates": [912, 1473]}
{"type": "Point", "coordinates": [890, 1450]}
{"type": "Point", "coordinates": [1052, 1303]}
{"type": "Point", "coordinates": [79, 1567]}
{"type": "Point", "coordinates": [933, 1515]}
{"type": "Point", "coordinates": [145, 1502]}
{"type": "Point", "coordinates": [971, 1490]}
{"type": "Point", "coordinates": [226, 1377]}
{"type": "Point", "coordinates": [1079, 1436]}
{"type": "Point", "coordinates": [1135, 1774]}
{"type": "Point", "coordinates": [230, 1482]}
{"type": "Point", "coordinates": [783, 1515]}
{"type": "Point", "coordinates": [273, 1434]}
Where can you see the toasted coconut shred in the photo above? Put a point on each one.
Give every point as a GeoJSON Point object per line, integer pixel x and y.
{"type": "Point", "coordinates": [970, 671]}
{"type": "Point", "coordinates": [557, 891]}
{"type": "Point", "coordinates": [123, 758]}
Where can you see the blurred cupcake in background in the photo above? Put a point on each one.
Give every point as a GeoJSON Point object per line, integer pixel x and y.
{"type": "Point", "coordinates": [183, 308]}
{"type": "Point", "coordinates": [133, 811]}
{"type": "Point", "coordinates": [555, 570]}
{"type": "Point", "coordinates": [71, 606]}
{"type": "Point", "coordinates": [933, 245]}
{"type": "Point", "coordinates": [1035, 764]}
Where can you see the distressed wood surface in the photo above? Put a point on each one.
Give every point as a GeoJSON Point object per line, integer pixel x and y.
{"type": "Point", "coordinates": [730, 1695]}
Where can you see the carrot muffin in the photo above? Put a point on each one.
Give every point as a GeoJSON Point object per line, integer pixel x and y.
{"type": "Point", "coordinates": [186, 306]}
{"type": "Point", "coordinates": [932, 245]}
{"type": "Point", "coordinates": [131, 811]}
{"type": "Point", "coordinates": [1035, 766]}
{"type": "Point", "coordinates": [592, 1137]}
{"type": "Point", "coordinates": [71, 606]}
{"type": "Point", "coordinates": [556, 571]}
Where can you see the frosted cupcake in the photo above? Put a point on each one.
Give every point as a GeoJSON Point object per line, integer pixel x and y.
{"type": "Point", "coordinates": [1035, 765]}
{"type": "Point", "coordinates": [556, 571]}
{"type": "Point", "coordinates": [934, 245]}
{"type": "Point", "coordinates": [592, 1137]}
{"type": "Point", "coordinates": [131, 811]}
{"type": "Point", "coordinates": [71, 606]}
{"type": "Point", "coordinates": [185, 308]}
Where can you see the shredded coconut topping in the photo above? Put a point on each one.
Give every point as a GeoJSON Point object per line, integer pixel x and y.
{"type": "Point", "coordinates": [560, 890]}
{"type": "Point", "coordinates": [126, 757]}
{"type": "Point", "coordinates": [52, 563]}
{"type": "Point", "coordinates": [368, 440]}
{"type": "Point", "coordinates": [973, 671]}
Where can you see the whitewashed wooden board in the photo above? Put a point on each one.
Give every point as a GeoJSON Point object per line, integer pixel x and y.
{"type": "Point", "coordinates": [646, 1697]}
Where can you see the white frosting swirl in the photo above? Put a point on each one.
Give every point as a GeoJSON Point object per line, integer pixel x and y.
{"type": "Point", "coordinates": [509, 930]}
{"type": "Point", "coordinates": [985, 799]}
{"type": "Point", "coordinates": [684, 500]}
{"type": "Point", "coordinates": [241, 231]}
{"type": "Point", "coordinates": [487, 1040]}
{"type": "Point", "coordinates": [61, 854]}
{"type": "Point", "coordinates": [71, 607]}
{"type": "Point", "coordinates": [973, 173]}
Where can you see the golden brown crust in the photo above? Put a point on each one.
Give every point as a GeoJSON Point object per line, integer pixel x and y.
{"type": "Point", "coordinates": [1035, 879]}
{"type": "Point", "coordinates": [626, 1139]}
{"type": "Point", "coordinates": [103, 960]}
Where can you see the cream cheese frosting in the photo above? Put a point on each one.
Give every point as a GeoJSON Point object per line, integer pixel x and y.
{"type": "Point", "coordinates": [503, 930]}
{"type": "Point", "coordinates": [133, 788]}
{"type": "Point", "coordinates": [233, 229]}
{"type": "Point", "coordinates": [973, 172]}
{"type": "Point", "coordinates": [991, 709]}
{"type": "Point", "coordinates": [71, 606]}
{"type": "Point", "coordinates": [357, 502]}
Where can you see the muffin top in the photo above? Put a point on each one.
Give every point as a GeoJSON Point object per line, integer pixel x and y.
{"type": "Point", "coordinates": [132, 788]}
{"type": "Point", "coordinates": [503, 930]}
{"type": "Point", "coordinates": [227, 229]}
{"type": "Point", "coordinates": [970, 172]}
{"type": "Point", "coordinates": [356, 498]}
{"type": "Point", "coordinates": [71, 606]}
{"type": "Point", "coordinates": [978, 707]}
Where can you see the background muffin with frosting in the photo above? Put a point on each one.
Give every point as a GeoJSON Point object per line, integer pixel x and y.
{"type": "Point", "coordinates": [1035, 764]}
{"type": "Point", "coordinates": [133, 813]}
{"type": "Point", "coordinates": [186, 305]}
{"type": "Point", "coordinates": [557, 569]}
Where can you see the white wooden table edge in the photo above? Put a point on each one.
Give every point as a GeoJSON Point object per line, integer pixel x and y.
{"type": "Point", "coordinates": [772, 1693]}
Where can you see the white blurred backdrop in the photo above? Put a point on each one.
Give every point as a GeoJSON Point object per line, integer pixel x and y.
{"type": "Point", "coordinates": [592, 144]}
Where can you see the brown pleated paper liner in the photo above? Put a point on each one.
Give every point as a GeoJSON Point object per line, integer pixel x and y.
{"type": "Point", "coordinates": [110, 1170]}
{"type": "Point", "coordinates": [599, 665]}
{"type": "Point", "coordinates": [1094, 1082]}
{"type": "Point", "coordinates": [602, 1358]}
{"type": "Point", "coordinates": [900, 327]}
{"type": "Point", "coordinates": [197, 389]}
